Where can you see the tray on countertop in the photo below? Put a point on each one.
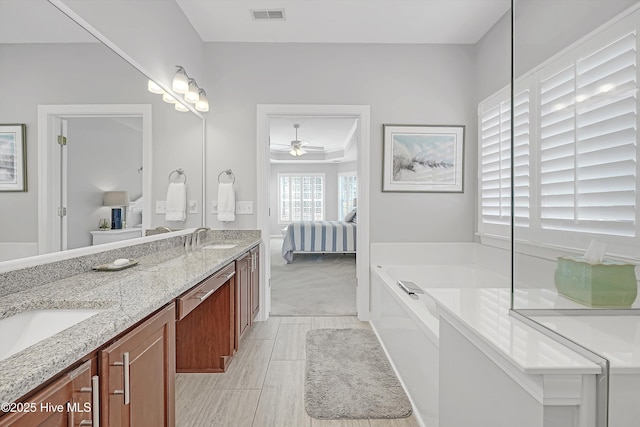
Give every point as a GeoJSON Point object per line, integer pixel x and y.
{"type": "Point", "coordinates": [111, 267]}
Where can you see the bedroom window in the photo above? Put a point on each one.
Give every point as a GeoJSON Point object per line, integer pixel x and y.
{"type": "Point", "coordinates": [575, 149]}
{"type": "Point", "coordinates": [300, 197]}
{"type": "Point", "coordinates": [347, 193]}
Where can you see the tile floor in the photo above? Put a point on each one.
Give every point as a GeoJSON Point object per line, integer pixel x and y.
{"type": "Point", "coordinates": [264, 386]}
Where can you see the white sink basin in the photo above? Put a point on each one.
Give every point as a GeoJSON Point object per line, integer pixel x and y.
{"type": "Point", "coordinates": [220, 246]}
{"type": "Point", "coordinates": [29, 327]}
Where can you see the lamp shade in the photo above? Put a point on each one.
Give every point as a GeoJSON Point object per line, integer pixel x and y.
{"type": "Point", "coordinates": [115, 198]}
{"type": "Point", "coordinates": [203, 102]}
{"type": "Point", "coordinates": [178, 106]}
{"type": "Point", "coordinates": [168, 98]}
{"type": "Point", "coordinates": [193, 92]}
{"type": "Point", "coordinates": [180, 82]}
{"type": "Point", "coordinates": [154, 88]}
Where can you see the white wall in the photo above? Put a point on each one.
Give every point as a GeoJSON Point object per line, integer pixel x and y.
{"type": "Point", "coordinates": [331, 188]}
{"type": "Point", "coordinates": [87, 73]}
{"type": "Point", "coordinates": [155, 33]}
{"type": "Point", "coordinates": [406, 84]}
{"type": "Point", "coordinates": [103, 154]}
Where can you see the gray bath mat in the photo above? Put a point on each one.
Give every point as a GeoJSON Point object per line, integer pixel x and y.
{"type": "Point", "coordinates": [348, 376]}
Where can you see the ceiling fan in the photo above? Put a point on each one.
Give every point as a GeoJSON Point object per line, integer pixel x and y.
{"type": "Point", "coordinates": [297, 147]}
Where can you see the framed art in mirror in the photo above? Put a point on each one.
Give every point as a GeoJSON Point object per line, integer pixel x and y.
{"type": "Point", "coordinates": [13, 157]}
{"type": "Point", "coordinates": [423, 158]}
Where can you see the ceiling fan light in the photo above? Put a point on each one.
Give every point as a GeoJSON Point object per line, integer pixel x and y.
{"type": "Point", "coordinates": [180, 81]}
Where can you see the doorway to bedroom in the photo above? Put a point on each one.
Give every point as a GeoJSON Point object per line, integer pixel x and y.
{"type": "Point", "coordinates": [326, 191]}
{"type": "Point", "coordinates": [313, 222]}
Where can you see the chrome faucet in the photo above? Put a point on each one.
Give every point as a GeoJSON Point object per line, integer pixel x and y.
{"type": "Point", "coordinates": [195, 236]}
{"type": "Point", "coordinates": [164, 229]}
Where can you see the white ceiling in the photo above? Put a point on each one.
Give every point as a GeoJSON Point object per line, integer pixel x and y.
{"type": "Point", "coordinates": [334, 134]}
{"type": "Point", "coordinates": [346, 21]}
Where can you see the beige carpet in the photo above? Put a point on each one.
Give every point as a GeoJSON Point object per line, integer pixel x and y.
{"type": "Point", "coordinates": [313, 285]}
{"type": "Point", "coordinates": [348, 376]}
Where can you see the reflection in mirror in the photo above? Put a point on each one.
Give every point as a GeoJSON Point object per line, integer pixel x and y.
{"type": "Point", "coordinates": [56, 78]}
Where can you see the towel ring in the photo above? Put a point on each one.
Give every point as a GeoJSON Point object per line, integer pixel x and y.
{"type": "Point", "coordinates": [180, 173]}
{"type": "Point", "coordinates": [229, 174]}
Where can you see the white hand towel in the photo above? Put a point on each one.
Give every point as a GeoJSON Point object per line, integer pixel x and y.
{"type": "Point", "coordinates": [176, 204]}
{"type": "Point", "coordinates": [226, 202]}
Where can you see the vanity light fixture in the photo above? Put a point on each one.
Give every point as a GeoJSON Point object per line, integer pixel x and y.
{"type": "Point", "coordinates": [168, 98]}
{"type": "Point", "coordinates": [180, 80]}
{"type": "Point", "coordinates": [203, 102]}
{"type": "Point", "coordinates": [192, 95]}
{"type": "Point", "coordinates": [180, 107]}
{"type": "Point", "coordinates": [154, 88]}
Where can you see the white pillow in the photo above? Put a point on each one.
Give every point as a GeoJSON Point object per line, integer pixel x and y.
{"type": "Point", "coordinates": [348, 217]}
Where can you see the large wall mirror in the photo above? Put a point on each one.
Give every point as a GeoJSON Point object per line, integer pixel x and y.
{"type": "Point", "coordinates": [56, 78]}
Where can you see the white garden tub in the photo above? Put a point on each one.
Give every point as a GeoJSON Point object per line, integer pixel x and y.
{"type": "Point", "coordinates": [408, 327]}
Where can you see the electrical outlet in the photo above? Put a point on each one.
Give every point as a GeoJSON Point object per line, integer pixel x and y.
{"type": "Point", "coordinates": [193, 206]}
{"type": "Point", "coordinates": [244, 208]}
{"type": "Point", "coordinates": [161, 207]}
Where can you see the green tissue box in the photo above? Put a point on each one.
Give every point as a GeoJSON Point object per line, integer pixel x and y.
{"type": "Point", "coordinates": [606, 284]}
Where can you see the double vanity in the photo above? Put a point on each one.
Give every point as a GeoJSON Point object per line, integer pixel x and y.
{"type": "Point", "coordinates": [103, 346]}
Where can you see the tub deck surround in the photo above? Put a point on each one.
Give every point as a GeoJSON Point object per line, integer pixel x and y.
{"type": "Point", "coordinates": [127, 296]}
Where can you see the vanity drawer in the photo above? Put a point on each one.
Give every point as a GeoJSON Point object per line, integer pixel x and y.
{"type": "Point", "coordinates": [189, 301]}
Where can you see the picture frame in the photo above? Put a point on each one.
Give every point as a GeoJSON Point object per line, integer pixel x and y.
{"type": "Point", "coordinates": [13, 157]}
{"type": "Point", "coordinates": [423, 158]}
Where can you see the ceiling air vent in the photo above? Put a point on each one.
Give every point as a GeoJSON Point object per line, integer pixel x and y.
{"type": "Point", "coordinates": [267, 14]}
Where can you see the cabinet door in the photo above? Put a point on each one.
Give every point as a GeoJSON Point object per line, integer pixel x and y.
{"type": "Point", "coordinates": [205, 335]}
{"type": "Point", "coordinates": [137, 373]}
{"type": "Point", "coordinates": [243, 272]}
{"type": "Point", "coordinates": [255, 282]}
{"type": "Point", "coordinates": [65, 402]}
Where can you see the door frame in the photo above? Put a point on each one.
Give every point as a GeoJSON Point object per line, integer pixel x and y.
{"type": "Point", "coordinates": [49, 172]}
{"type": "Point", "coordinates": [362, 113]}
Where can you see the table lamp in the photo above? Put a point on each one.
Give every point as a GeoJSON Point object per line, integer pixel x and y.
{"type": "Point", "coordinates": [117, 200]}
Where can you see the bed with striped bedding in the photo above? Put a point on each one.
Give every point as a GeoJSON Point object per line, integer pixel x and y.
{"type": "Point", "coordinates": [319, 236]}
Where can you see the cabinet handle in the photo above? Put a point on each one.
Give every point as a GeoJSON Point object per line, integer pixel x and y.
{"type": "Point", "coordinates": [125, 376]}
{"type": "Point", "coordinates": [95, 402]}
{"type": "Point", "coordinates": [205, 296]}
{"type": "Point", "coordinates": [230, 275]}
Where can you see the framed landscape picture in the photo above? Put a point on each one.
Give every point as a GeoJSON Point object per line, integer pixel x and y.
{"type": "Point", "coordinates": [423, 158]}
{"type": "Point", "coordinates": [13, 158]}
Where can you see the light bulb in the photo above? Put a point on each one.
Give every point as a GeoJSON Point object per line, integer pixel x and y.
{"type": "Point", "coordinates": [192, 95]}
{"type": "Point", "coordinates": [168, 98]}
{"type": "Point", "coordinates": [154, 88]}
{"type": "Point", "coordinates": [203, 102]}
{"type": "Point", "coordinates": [180, 81]}
{"type": "Point", "coordinates": [293, 152]}
{"type": "Point", "coordinates": [181, 107]}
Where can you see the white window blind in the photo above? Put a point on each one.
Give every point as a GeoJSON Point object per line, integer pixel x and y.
{"type": "Point", "coordinates": [495, 160]}
{"type": "Point", "coordinates": [588, 149]}
{"type": "Point", "coordinates": [300, 197]}
{"type": "Point", "coordinates": [347, 193]}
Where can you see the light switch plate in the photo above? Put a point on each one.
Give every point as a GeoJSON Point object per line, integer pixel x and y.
{"type": "Point", "coordinates": [161, 207]}
{"type": "Point", "coordinates": [244, 207]}
{"type": "Point", "coordinates": [214, 207]}
{"type": "Point", "coordinates": [193, 206]}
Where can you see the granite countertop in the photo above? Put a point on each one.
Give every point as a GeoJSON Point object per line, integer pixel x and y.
{"type": "Point", "coordinates": [127, 296]}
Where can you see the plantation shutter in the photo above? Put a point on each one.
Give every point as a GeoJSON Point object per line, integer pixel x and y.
{"type": "Point", "coordinates": [495, 160]}
{"type": "Point", "coordinates": [588, 116]}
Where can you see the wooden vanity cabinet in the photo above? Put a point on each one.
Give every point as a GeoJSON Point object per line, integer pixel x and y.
{"type": "Point", "coordinates": [137, 374]}
{"type": "Point", "coordinates": [255, 282]}
{"type": "Point", "coordinates": [205, 331]}
{"type": "Point", "coordinates": [68, 401]}
{"type": "Point", "coordinates": [247, 289]}
{"type": "Point", "coordinates": [243, 320]}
